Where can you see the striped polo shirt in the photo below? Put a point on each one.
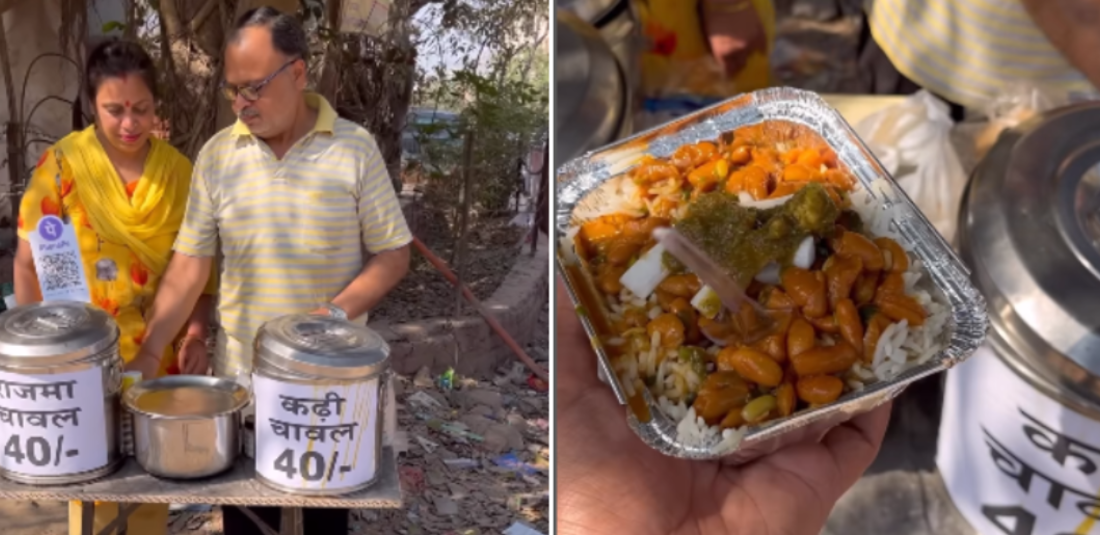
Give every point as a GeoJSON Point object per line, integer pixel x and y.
{"type": "Point", "coordinates": [969, 51]}
{"type": "Point", "coordinates": [292, 231]}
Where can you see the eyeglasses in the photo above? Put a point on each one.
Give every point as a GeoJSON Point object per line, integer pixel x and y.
{"type": "Point", "coordinates": [251, 92]}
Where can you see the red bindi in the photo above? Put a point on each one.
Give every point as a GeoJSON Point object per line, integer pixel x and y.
{"type": "Point", "coordinates": [127, 103]}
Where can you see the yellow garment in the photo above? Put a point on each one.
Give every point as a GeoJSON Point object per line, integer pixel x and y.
{"type": "Point", "coordinates": [125, 241]}
{"type": "Point", "coordinates": [148, 519]}
{"type": "Point", "coordinates": [155, 208]}
{"type": "Point", "coordinates": [292, 230]}
{"type": "Point", "coordinates": [679, 59]}
{"type": "Point", "coordinates": [974, 51]}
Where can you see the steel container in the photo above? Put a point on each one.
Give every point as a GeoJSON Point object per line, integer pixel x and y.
{"type": "Point", "coordinates": [320, 351]}
{"type": "Point", "coordinates": [186, 426]}
{"type": "Point", "coordinates": [616, 21]}
{"type": "Point", "coordinates": [1029, 227]}
{"type": "Point", "coordinates": [1028, 406]}
{"type": "Point", "coordinates": [592, 106]}
{"type": "Point", "coordinates": [59, 337]}
{"type": "Point", "coordinates": [585, 184]}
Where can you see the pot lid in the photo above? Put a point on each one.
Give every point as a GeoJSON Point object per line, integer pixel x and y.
{"type": "Point", "coordinates": [595, 12]}
{"type": "Point", "coordinates": [54, 332]}
{"type": "Point", "coordinates": [589, 89]}
{"type": "Point", "coordinates": [322, 347]}
{"type": "Point", "coordinates": [1030, 229]}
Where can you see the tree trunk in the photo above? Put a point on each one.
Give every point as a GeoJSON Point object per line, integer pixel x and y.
{"type": "Point", "coordinates": [458, 256]}
{"type": "Point", "coordinates": [542, 212]}
{"type": "Point", "coordinates": [330, 70]}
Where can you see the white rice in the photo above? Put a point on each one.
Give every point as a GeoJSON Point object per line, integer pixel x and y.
{"type": "Point", "coordinates": [899, 348]}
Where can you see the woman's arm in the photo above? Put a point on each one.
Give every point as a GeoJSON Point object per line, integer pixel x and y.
{"type": "Point", "coordinates": [193, 357]}
{"type": "Point", "coordinates": [198, 325]}
{"type": "Point", "coordinates": [26, 278]}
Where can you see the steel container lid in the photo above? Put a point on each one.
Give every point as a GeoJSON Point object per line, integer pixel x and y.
{"type": "Point", "coordinates": [595, 12]}
{"type": "Point", "coordinates": [54, 332]}
{"type": "Point", "coordinates": [313, 346]}
{"type": "Point", "coordinates": [589, 88]}
{"type": "Point", "coordinates": [1030, 230]}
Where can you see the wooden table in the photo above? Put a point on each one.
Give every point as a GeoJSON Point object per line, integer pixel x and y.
{"type": "Point", "coordinates": [131, 486]}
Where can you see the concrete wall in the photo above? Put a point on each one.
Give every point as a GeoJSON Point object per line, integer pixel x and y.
{"type": "Point", "coordinates": [468, 343]}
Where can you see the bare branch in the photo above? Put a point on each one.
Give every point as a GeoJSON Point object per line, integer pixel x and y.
{"type": "Point", "coordinates": [204, 13]}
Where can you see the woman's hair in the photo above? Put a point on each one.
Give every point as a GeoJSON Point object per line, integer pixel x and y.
{"type": "Point", "coordinates": [115, 59]}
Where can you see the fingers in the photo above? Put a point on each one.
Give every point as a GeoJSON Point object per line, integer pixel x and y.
{"type": "Point", "coordinates": [192, 364]}
{"type": "Point", "coordinates": [576, 361]}
{"type": "Point", "coordinates": [192, 359]}
{"type": "Point", "coordinates": [855, 444]}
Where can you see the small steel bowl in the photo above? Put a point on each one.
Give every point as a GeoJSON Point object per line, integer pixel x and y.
{"type": "Point", "coordinates": [186, 426]}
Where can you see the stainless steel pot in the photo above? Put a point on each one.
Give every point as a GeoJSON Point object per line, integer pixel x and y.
{"type": "Point", "coordinates": [186, 426]}
{"type": "Point", "coordinates": [592, 106]}
{"type": "Point", "coordinates": [616, 22]}
{"type": "Point", "coordinates": [326, 356]}
{"type": "Point", "coordinates": [43, 340]}
{"type": "Point", "coordinates": [1029, 228]}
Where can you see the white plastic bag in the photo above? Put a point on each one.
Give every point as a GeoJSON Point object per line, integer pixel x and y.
{"type": "Point", "coordinates": [915, 136]}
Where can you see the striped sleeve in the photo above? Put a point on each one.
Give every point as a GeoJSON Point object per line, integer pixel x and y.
{"type": "Point", "coordinates": [198, 235]}
{"type": "Point", "coordinates": [381, 221]}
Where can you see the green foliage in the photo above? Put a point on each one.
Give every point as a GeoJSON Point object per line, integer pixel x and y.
{"type": "Point", "coordinates": [507, 117]}
{"type": "Point", "coordinates": [113, 25]}
{"type": "Point", "coordinates": [500, 91]}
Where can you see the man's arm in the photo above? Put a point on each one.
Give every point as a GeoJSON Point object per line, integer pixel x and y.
{"type": "Point", "coordinates": [1071, 26]}
{"type": "Point", "coordinates": [378, 277]}
{"type": "Point", "coordinates": [384, 233]}
{"type": "Point", "coordinates": [177, 303]}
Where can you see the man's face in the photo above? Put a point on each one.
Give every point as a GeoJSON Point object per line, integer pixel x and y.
{"type": "Point", "coordinates": [249, 61]}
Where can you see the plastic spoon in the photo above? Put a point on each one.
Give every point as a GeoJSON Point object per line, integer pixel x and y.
{"type": "Point", "coordinates": [727, 289]}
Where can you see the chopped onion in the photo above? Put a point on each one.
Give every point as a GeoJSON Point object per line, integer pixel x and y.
{"type": "Point", "coordinates": [804, 255]}
{"type": "Point", "coordinates": [766, 203]}
{"type": "Point", "coordinates": [707, 302]}
{"type": "Point", "coordinates": [769, 275]}
{"type": "Point", "coordinates": [644, 276]}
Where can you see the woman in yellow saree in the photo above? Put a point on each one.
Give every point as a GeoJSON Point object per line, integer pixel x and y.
{"type": "Point", "coordinates": [125, 193]}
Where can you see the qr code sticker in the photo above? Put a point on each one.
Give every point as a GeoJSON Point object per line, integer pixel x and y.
{"type": "Point", "coordinates": [59, 272]}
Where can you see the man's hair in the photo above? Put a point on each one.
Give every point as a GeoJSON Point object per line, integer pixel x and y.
{"type": "Point", "coordinates": [287, 34]}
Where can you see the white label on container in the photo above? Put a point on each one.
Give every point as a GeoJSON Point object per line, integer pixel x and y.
{"type": "Point", "coordinates": [316, 437]}
{"type": "Point", "coordinates": [52, 424]}
{"type": "Point", "coordinates": [57, 261]}
{"type": "Point", "coordinates": [1015, 461]}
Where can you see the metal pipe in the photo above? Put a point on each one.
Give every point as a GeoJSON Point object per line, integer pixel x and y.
{"type": "Point", "coordinates": [488, 316]}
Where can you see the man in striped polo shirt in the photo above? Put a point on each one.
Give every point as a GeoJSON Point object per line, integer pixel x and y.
{"type": "Point", "coordinates": [969, 51]}
{"type": "Point", "coordinates": [294, 194]}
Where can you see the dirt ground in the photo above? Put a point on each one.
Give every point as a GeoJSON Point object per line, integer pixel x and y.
{"type": "Point", "coordinates": [492, 249]}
